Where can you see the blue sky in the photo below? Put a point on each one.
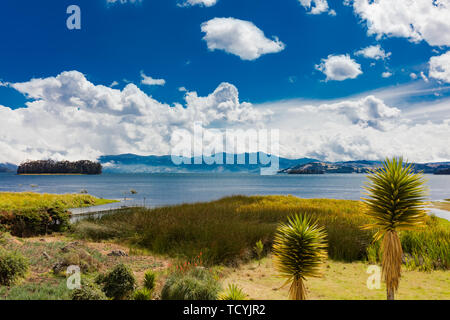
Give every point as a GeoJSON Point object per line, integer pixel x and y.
{"type": "Point", "coordinates": [119, 42]}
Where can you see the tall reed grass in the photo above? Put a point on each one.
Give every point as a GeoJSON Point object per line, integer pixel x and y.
{"type": "Point", "coordinates": [226, 230]}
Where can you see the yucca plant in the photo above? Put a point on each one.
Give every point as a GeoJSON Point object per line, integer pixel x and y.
{"type": "Point", "coordinates": [233, 293]}
{"type": "Point", "coordinates": [150, 280]}
{"type": "Point", "coordinates": [299, 249]}
{"type": "Point", "coordinates": [142, 294]}
{"type": "Point", "coordinates": [259, 248]}
{"type": "Point", "coordinates": [396, 201]}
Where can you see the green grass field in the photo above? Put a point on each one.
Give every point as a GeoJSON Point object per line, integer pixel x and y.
{"type": "Point", "coordinates": [340, 280]}
{"type": "Point", "coordinates": [30, 200]}
{"type": "Point", "coordinates": [225, 231]}
{"type": "Point", "coordinates": [27, 213]}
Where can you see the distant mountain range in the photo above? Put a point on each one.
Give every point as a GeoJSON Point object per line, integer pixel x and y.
{"type": "Point", "coordinates": [127, 163]}
{"type": "Point", "coordinates": [131, 163]}
{"type": "Point", "coordinates": [363, 166]}
{"type": "Point", "coordinates": [8, 167]}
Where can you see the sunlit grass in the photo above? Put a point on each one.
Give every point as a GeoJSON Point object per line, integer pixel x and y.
{"type": "Point", "coordinates": [340, 281]}
{"type": "Point", "coordinates": [10, 201]}
{"type": "Point", "coordinates": [227, 230]}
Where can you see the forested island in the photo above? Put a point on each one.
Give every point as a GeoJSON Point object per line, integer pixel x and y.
{"type": "Point", "coordinates": [59, 167]}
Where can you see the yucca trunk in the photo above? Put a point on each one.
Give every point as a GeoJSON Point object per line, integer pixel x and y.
{"type": "Point", "coordinates": [392, 262]}
{"type": "Point", "coordinates": [297, 290]}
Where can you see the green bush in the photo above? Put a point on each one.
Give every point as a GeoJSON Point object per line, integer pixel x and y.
{"type": "Point", "coordinates": [119, 283]}
{"type": "Point", "coordinates": [233, 293]}
{"type": "Point", "coordinates": [88, 291]}
{"type": "Point", "coordinates": [143, 294]}
{"type": "Point", "coordinates": [31, 222]}
{"type": "Point", "coordinates": [195, 284]}
{"type": "Point", "coordinates": [149, 280]}
{"type": "Point", "coordinates": [12, 267]}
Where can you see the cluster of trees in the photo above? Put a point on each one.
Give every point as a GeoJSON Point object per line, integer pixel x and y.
{"type": "Point", "coordinates": [59, 167]}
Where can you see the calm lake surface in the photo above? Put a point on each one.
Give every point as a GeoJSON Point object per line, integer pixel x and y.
{"type": "Point", "coordinates": [167, 189]}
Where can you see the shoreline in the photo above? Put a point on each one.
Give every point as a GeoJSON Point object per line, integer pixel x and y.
{"type": "Point", "coordinates": [78, 214]}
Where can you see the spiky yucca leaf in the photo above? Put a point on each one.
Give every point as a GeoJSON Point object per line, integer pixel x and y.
{"type": "Point", "coordinates": [299, 249]}
{"type": "Point", "coordinates": [396, 198]}
{"type": "Point", "coordinates": [396, 201]}
{"type": "Point", "coordinates": [233, 293]}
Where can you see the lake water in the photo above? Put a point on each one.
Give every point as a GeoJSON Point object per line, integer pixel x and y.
{"type": "Point", "coordinates": [167, 189]}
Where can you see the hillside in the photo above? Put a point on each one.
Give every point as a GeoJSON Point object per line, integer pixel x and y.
{"type": "Point", "coordinates": [362, 166]}
{"type": "Point", "coordinates": [7, 167]}
{"type": "Point", "coordinates": [130, 163]}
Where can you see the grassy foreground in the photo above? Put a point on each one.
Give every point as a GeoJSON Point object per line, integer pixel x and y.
{"type": "Point", "coordinates": [42, 282]}
{"type": "Point", "coordinates": [340, 281]}
{"type": "Point", "coordinates": [225, 231]}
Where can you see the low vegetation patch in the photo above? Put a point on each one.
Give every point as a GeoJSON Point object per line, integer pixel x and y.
{"type": "Point", "coordinates": [12, 267]}
{"type": "Point", "coordinates": [233, 292]}
{"type": "Point", "coordinates": [28, 213]}
{"type": "Point", "coordinates": [196, 283]}
{"type": "Point", "coordinates": [226, 230]}
{"type": "Point", "coordinates": [48, 258]}
{"type": "Point", "coordinates": [142, 294]}
{"type": "Point", "coordinates": [88, 291]}
{"type": "Point", "coordinates": [119, 283]}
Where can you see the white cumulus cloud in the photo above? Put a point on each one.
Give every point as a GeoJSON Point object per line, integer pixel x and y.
{"type": "Point", "coordinates": [316, 6]}
{"type": "Point", "coordinates": [339, 67]}
{"type": "Point", "coordinates": [69, 117]}
{"type": "Point", "coordinates": [123, 1]}
{"type": "Point", "coordinates": [360, 128]}
{"type": "Point", "coordinates": [206, 3]}
{"type": "Point", "coordinates": [147, 80]}
{"type": "Point", "coordinates": [239, 37]}
{"type": "Point", "coordinates": [365, 112]}
{"type": "Point", "coordinates": [440, 67]}
{"type": "Point", "coordinates": [416, 20]}
{"type": "Point", "coordinates": [373, 52]}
